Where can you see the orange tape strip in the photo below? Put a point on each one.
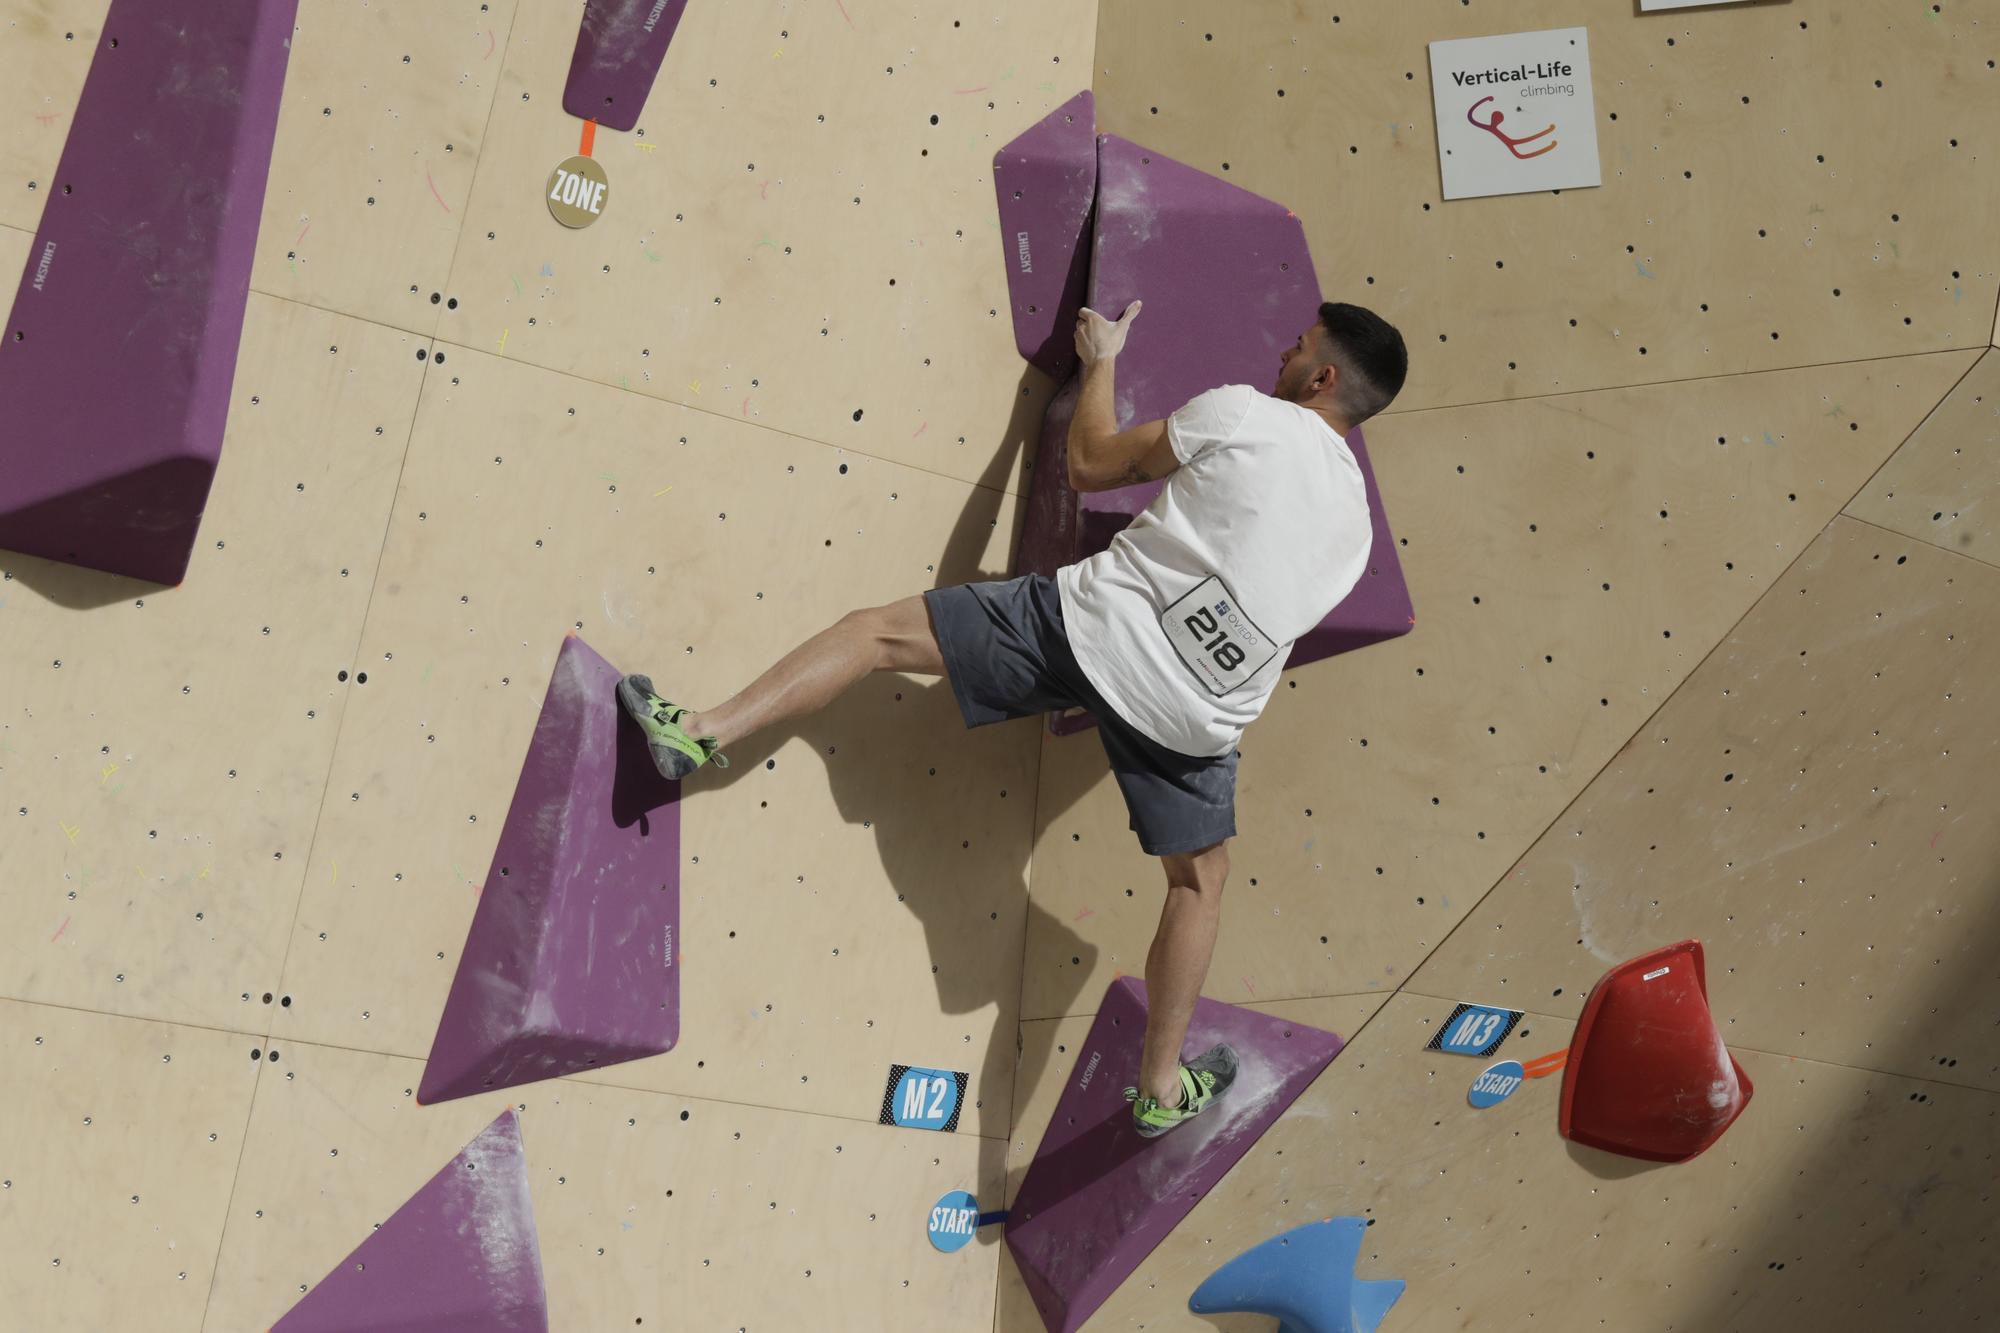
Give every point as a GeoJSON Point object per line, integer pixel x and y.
{"type": "Point", "coordinates": [1543, 1065]}
{"type": "Point", "coordinates": [589, 137]}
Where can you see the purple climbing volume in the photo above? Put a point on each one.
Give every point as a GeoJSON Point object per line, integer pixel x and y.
{"type": "Point", "coordinates": [1098, 1197]}
{"type": "Point", "coordinates": [120, 350]}
{"type": "Point", "coordinates": [1046, 181]}
{"type": "Point", "coordinates": [461, 1256]}
{"type": "Point", "coordinates": [619, 49]}
{"type": "Point", "coordinates": [1228, 282]}
{"type": "Point", "coordinates": [570, 963]}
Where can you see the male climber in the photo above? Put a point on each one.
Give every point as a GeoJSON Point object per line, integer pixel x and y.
{"type": "Point", "coordinates": [1174, 636]}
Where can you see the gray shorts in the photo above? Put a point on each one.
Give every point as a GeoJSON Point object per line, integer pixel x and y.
{"type": "Point", "coordinates": [1007, 656]}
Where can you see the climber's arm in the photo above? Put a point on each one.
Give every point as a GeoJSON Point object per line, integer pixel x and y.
{"type": "Point", "coordinates": [1102, 457]}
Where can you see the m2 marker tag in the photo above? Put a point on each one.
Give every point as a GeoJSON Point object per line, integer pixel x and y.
{"type": "Point", "coordinates": [919, 1098]}
{"type": "Point", "coordinates": [1216, 638]}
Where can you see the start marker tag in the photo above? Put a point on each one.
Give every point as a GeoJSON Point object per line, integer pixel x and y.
{"type": "Point", "coordinates": [578, 190]}
{"type": "Point", "coordinates": [953, 1221]}
{"type": "Point", "coordinates": [1496, 1084]}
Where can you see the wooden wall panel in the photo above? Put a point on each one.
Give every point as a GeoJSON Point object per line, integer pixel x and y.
{"type": "Point", "coordinates": [45, 51]}
{"type": "Point", "coordinates": [853, 889]}
{"type": "Point", "coordinates": [653, 1211]}
{"type": "Point", "coordinates": [795, 392]}
{"type": "Point", "coordinates": [1939, 486]}
{"type": "Point", "coordinates": [1757, 159]}
{"type": "Point", "coordinates": [1842, 1199]}
{"type": "Point", "coordinates": [1572, 561]}
{"type": "Point", "coordinates": [15, 245]}
{"type": "Point", "coordinates": [379, 138]}
{"type": "Point", "coordinates": [165, 749]}
{"type": "Point", "coordinates": [753, 260]}
{"type": "Point", "coordinates": [1810, 805]}
{"type": "Point", "coordinates": [118, 1149]}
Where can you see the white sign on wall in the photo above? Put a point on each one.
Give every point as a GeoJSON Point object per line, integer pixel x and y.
{"type": "Point", "coordinates": [1514, 113]}
{"type": "Point", "coordinates": [1683, 4]}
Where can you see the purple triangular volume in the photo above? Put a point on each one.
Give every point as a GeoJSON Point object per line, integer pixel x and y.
{"type": "Point", "coordinates": [1098, 1197]}
{"type": "Point", "coordinates": [1228, 282]}
{"type": "Point", "coordinates": [1227, 272]}
{"type": "Point", "coordinates": [1046, 182]}
{"type": "Point", "coordinates": [143, 258]}
{"type": "Point", "coordinates": [459, 1257]}
{"type": "Point", "coordinates": [569, 964]}
{"type": "Point", "coordinates": [619, 49]}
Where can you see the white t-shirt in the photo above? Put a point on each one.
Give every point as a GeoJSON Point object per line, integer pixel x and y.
{"type": "Point", "coordinates": [1185, 621]}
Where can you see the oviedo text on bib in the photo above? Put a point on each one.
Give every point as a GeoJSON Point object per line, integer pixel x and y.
{"type": "Point", "coordinates": [1215, 636]}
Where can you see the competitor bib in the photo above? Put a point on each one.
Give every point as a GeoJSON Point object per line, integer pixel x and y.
{"type": "Point", "coordinates": [1216, 637]}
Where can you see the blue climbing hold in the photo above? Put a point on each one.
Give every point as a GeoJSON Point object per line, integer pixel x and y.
{"type": "Point", "coordinates": [1305, 1279]}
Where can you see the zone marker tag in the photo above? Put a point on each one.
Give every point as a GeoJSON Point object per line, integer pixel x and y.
{"type": "Point", "coordinates": [578, 191]}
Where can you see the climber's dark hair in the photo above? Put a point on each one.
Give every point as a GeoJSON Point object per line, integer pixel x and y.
{"type": "Point", "coordinates": [1371, 358]}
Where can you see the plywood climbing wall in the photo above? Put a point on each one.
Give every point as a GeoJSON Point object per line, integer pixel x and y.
{"type": "Point", "coordinates": [1690, 482]}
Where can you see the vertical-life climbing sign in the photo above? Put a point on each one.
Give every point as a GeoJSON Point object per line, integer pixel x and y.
{"type": "Point", "coordinates": [1514, 113]}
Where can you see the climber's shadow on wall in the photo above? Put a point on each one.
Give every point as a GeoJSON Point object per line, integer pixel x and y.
{"type": "Point", "coordinates": [880, 775]}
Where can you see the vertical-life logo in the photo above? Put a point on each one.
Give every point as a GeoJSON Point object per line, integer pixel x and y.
{"type": "Point", "coordinates": [1514, 113]}
{"type": "Point", "coordinates": [1514, 145]}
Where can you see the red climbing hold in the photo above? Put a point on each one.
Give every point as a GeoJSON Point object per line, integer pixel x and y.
{"type": "Point", "coordinates": [1648, 1075]}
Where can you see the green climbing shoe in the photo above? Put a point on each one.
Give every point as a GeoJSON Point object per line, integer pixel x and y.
{"type": "Point", "coordinates": [1203, 1079]}
{"type": "Point", "coordinates": [675, 753]}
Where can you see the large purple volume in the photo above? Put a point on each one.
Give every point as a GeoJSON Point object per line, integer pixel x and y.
{"type": "Point", "coordinates": [1228, 282]}
{"type": "Point", "coordinates": [117, 360]}
{"type": "Point", "coordinates": [1098, 1197]}
{"type": "Point", "coordinates": [460, 1257]}
{"type": "Point", "coordinates": [569, 964]}
{"type": "Point", "coordinates": [619, 49]}
{"type": "Point", "coordinates": [1046, 181]}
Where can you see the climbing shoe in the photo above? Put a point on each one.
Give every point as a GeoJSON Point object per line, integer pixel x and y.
{"type": "Point", "coordinates": [1203, 1079]}
{"type": "Point", "coordinates": [675, 753]}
